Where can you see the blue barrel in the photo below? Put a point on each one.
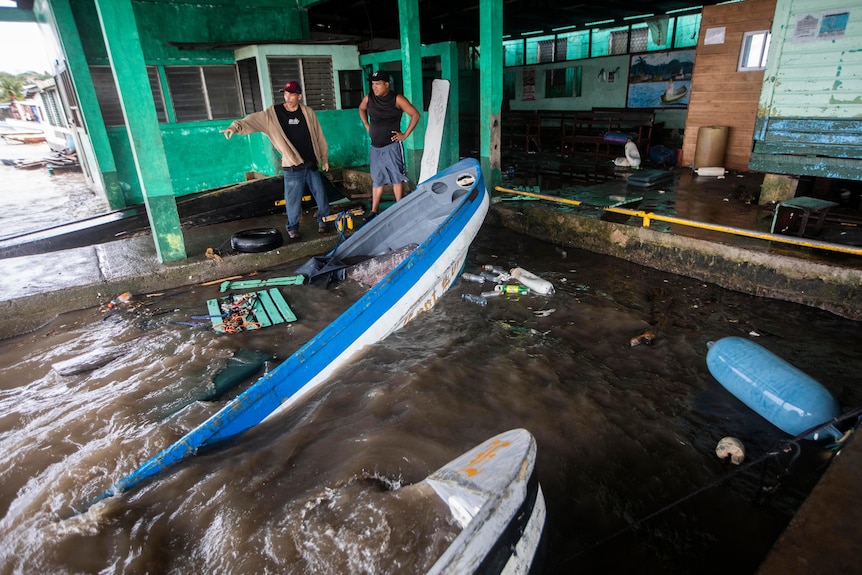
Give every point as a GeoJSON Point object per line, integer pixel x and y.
{"type": "Point", "coordinates": [777, 391]}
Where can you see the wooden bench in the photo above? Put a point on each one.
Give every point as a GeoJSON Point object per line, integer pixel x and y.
{"type": "Point", "coordinates": [592, 131]}
{"type": "Point", "coordinates": [584, 132]}
{"type": "Point", "coordinates": [522, 130]}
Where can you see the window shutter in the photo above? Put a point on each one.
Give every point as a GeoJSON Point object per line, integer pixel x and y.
{"type": "Point", "coordinates": [319, 84]}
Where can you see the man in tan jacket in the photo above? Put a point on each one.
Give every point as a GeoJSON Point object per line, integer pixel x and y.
{"type": "Point", "coordinates": [293, 129]}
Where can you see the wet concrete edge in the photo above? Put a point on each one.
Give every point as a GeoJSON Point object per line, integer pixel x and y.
{"type": "Point", "coordinates": [142, 274]}
{"type": "Point", "coordinates": [823, 536]}
{"type": "Point", "coordinates": [832, 288]}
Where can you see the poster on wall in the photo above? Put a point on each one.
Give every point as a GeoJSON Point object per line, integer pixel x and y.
{"type": "Point", "coordinates": [821, 26]}
{"type": "Point", "coordinates": [660, 79]}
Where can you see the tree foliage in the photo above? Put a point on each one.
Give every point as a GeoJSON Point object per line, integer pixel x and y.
{"type": "Point", "coordinates": [12, 85]}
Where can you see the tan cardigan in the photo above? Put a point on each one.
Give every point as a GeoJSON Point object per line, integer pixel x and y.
{"type": "Point", "coordinates": [267, 122]}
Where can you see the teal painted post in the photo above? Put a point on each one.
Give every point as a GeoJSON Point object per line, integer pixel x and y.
{"type": "Point", "coordinates": [73, 50]}
{"type": "Point", "coordinates": [122, 40]}
{"type": "Point", "coordinates": [450, 150]}
{"type": "Point", "coordinates": [411, 58]}
{"type": "Point", "coordinates": [260, 144]}
{"type": "Point", "coordinates": [490, 88]}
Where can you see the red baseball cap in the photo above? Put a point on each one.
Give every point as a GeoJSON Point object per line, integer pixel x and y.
{"type": "Point", "coordinates": [293, 87]}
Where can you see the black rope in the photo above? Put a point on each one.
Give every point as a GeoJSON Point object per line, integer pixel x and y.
{"type": "Point", "coordinates": [784, 446]}
{"type": "Point", "coordinates": [218, 250]}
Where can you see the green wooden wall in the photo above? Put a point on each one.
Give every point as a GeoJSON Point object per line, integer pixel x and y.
{"type": "Point", "coordinates": [808, 118]}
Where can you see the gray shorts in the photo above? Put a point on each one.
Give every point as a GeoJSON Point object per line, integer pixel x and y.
{"type": "Point", "coordinates": [387, 165]}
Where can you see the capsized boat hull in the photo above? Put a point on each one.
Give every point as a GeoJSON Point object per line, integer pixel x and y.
{"type": "Point", "coordinates": [493, 492]}
{"type": "Point", "coordinates": [445, 213]}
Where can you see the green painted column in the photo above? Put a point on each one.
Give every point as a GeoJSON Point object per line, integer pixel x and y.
{"type": "Point", "coordinates": [120, 30]}
{"type": "Point", "coordinates": [76, 62]}
{"type": "Point", "coordinates": [411, 67]}
{"type": "Point", "coordinates": [451, 147]}
{"type": "Point", "coordinates": [262, 145]}
{"type": "Point", "coordinates": [490, 88]}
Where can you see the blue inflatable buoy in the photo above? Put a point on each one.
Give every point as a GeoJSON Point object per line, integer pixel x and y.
{"type": "Point", "coordinates": [782, 394]}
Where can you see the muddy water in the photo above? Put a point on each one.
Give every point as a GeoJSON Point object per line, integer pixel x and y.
{"type": "Point", "coordinates": [623, 432]}
{"type": "Point", "coordinates": [34, 199]}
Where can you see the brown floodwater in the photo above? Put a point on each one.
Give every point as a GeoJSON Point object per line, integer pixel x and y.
{"type": "Point", "coordinates": [34, 199]}
{"type": "Point", "coordinates": [624, 433]}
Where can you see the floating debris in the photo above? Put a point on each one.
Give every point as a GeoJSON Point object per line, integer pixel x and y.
{"type": "Point", "coordinates": [648, 338]}
{"type": "Point", "coordinates": [90, 360]}
{"type": "Point", "coordinates": [732, 448]}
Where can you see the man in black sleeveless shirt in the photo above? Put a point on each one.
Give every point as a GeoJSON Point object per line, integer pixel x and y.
{"type": "Point", "coordinates": [381, 112]}
{"type": "Point", "coordinates": [295, 132]}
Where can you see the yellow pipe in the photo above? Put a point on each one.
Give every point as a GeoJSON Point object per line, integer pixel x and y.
{"type": "Point", "coordinates": [648, 216]}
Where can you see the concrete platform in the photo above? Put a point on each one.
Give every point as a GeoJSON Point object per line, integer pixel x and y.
{"type": "Point", "coordinates": [823, 536]}
{"type": "Point", "coordinates": [39, 287]}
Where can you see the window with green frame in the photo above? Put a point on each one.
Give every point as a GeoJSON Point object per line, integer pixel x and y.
{"type": "Point", "coordinates": [600, 42]}
{"type": "Point", "coordinates": [655, 34]}
{"type": "Point", "coordinates": [577, 44]}
{"type": "Point", "coordinates": [109, 99]}
{"type": "Point", "coordinates": [513, 53]}
{"type": "Point", "coordinates": [509, 85]}
{"type": "Point", "coordinates": [204, 92]}
{"type": "Point", "coordinates": [563, 82]}
{"type": "Point", "coordinates": [540, 49]}
{"type": "Point", "coordinates": [686, 31]}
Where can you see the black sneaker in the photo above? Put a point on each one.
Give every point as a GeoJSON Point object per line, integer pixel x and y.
{"type": "Point", "coordinates": [294, 235]}
{"type": "Point", "coordinates": [370, 216]}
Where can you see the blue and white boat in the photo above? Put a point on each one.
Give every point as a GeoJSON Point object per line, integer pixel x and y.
{"type": "Point", "coordinates": [441, 217]}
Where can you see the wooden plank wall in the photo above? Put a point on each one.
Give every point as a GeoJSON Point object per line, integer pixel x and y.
{"type": "Point", "coordinates": [820, 78]}
{"type": "Point", "coordinates": [721, 96]}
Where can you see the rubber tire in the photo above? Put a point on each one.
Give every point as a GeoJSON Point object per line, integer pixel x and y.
{"type": "Point", "coordinates": [257, 240]}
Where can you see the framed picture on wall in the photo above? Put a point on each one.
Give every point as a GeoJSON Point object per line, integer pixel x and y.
{"type": "Point", "coordinates": [660, 79]}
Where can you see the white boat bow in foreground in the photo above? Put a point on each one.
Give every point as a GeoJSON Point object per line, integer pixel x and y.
{"type": "Point", "coordinates": [493, 492]}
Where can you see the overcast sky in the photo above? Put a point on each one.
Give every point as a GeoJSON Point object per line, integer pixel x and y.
{"type": "Point", "coordinates": [22, 48]}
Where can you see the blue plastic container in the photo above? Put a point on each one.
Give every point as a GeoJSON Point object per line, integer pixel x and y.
{"type": "Point", "coordinates": [776, 390]}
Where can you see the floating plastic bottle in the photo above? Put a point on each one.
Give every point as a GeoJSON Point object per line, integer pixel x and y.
{"type": "Point", "coordinates": [710, 171]}
{"type": "Point", "coordinates": [494, 278]}
{"type": "Point", "coordinates": [466, 276]}
{"type": "Point", "coordinates": [512, 288]}
{"type": "Point", "coordinates": [495, 293]}
{"type": "Point", "coordinates": [533, 281]}
{"type": "Point", "coordinates": [473, 298]}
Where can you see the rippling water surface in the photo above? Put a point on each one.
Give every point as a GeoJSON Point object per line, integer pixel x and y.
{"type": "Point", "coordinates": [623, 431]}
{"type": "Point", "coordinates": [34, 199]}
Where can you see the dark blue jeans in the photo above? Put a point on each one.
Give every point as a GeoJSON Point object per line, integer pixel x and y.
{"type": "Point", "coordinates": [294, 188]}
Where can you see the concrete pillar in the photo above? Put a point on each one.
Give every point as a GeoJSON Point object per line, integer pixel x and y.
{"type": "Point", "coordinates": [119, 27]}
{"type": "Point", "coordinates": [94, 124]}
{"type": "Point", "coordinates": [490, 88]}
{"type": "Point", "coordinates": [411, 67]}
{"type": "Point", "coordinates": [777, 187]}
{"type": "Point", "coordinates": [451, 147]}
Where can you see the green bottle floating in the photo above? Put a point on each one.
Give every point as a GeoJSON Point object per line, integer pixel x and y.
{"type": "Point", "coordinates": [512, 288]}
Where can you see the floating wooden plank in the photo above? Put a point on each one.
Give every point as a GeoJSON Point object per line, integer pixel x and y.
{"type": "Point", "coordinates": [282, 306]}
{"type": "Point", "coordinates": [256, 310]}
{"type": "Point", "coordinates": [215, 315]}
